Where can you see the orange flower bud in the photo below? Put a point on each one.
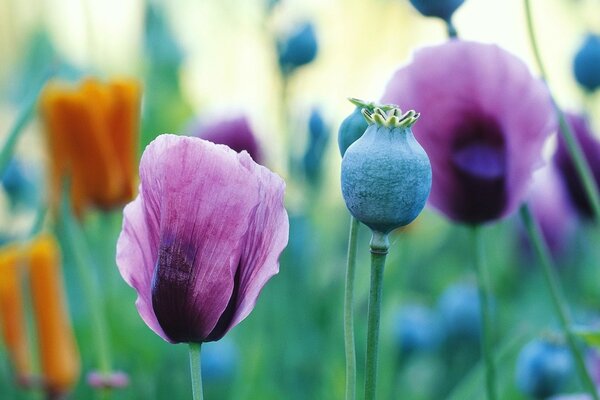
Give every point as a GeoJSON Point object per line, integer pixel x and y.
{"type": "Point", "coordinates": [12, 316]}
{"type": "Point", "coordinates": [93, 132]}
{"type": "Point", "coordinates": [59, 354]}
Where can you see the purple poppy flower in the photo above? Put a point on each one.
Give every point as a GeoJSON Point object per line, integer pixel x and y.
{"type": "Point", "coordinates": [591, 150]}
{"type": "Point", "coordinates": [202, 237]}
{"type": "Point", "coordinates": [484, 122]}
{"type": "Point", "coordinates": [233, 132]}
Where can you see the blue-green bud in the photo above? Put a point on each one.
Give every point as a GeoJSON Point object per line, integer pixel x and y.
{"type": "Point", "coordinates": [437, 8]}
{"type": "Point", "coordinates": [586, 65]}
{"type": "Point", "coordinates": [386, 174]}
{"type": "Point", "coordinates": [352, 127]}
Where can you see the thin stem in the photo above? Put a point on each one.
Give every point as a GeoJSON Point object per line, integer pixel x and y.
{"type": "Point", "coordinates": [379, 249]}
{"type": "Point", "coordinates": [486, 322]}
{"type": "Point", "coordinates": [349, 312]}
{"type": "Point", "coordinates": [196, 371]}
{"type": "Point", "coordinates": [573, 147]}
{"type": "Point", "coordinates": [84, 262]}
{"type": "Point", "coordinates": [557, 295]}
{"type": "Point", "coordinates": [451, 29]}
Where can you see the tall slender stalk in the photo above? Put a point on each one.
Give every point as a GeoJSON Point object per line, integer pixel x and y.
{"type": "Point", "coordinates": [379, 249]}
{"type": "Point", "coordinates": [581, 165]}
{"type": "Point", "coordinates": [557, 296]}
{"type": "Point", "coordinates": [196, 371]}
{"type": "Point", "coordinates": [84, 262]}
{"type": "Point", "coordinates": [349, 312]}
{"type": "Point", "coordinates": [483, 286]}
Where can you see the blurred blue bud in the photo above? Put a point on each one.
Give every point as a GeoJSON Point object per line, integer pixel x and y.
{"type": "Point", "coordinates": [586, 64]}
{"type": "Point", "coordinates": [297, 49]}
{"type": "Point", "coordinates": [271, 4]}
{"type": "Point", "coordinates": [416, 329]}
{"type": "Point", "coordinates": [543, 368]}
{"type": "Point", "coordinates": [437, 8]}
{"type": "Point", "coordinates": [460, 312]}
{"type": "Point", "coordinates": [219, 360]}
{"type": "Point", "coordinates": [19, 184]}
{"type": "Point", "coordinates": [318, 139]}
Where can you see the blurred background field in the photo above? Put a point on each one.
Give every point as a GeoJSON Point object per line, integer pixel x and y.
{"type": "Point", "coordinates": [222, 61]}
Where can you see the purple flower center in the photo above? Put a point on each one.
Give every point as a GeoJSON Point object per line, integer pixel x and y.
{"type": "Point", "coordinates": [479, 162]}
{"type": "Point", "coordinates": [173, 297]}
{"type": "Point", "coordinates": [171, 300]}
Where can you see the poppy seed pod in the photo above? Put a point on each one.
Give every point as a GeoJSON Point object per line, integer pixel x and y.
{"type": "Point", "coordinates": [437, 8]}
{"type": "Point", "coordinates": [386, 174]}
{"type": "Point", "coordinates": [353, 126]}
{"type": "Point", "coordinates": [586, 65]}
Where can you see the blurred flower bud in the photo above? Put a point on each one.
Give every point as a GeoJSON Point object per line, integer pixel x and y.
{"type": "Point", "coordinates": [233, 132]}
{"type": "Point", "coordinates": [586, 65]}
{"type": "Point", "coordinates": [318, 139]}
{"type": "Point", "coordinates": [543, 368]}
{"type": "Point", "coordinates": [416, 329]}
{"type": "Point", "coordinates": [219, 360]}
{"type": "Point", "coordinates": [19, 183]}
{"type": "Point", "coordinates": [113, 380]}
{"type": "Point", "coordinates": [437, 8]}
{"type": "Point", "coordinates": [297, 49]}
{"type": "Point", "coordinates": [459, 313]}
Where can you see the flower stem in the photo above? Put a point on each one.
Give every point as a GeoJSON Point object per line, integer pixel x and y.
{"type": "Point", "coordinates": [483, 286]}
{"type": "Point", "coordinates": [573, 147]}
{"type": "Point", "coordinates": [452, 32]}
{"type": "Point", "coordinates": [196, 371]}
{"type": "Point", "coordinates": [379, 249]}
{"type": "Point", "coordinates": [349, 312]}
{"type": "Point", "coordinates": [84, 262]}
{"type": "Point", "coordinates": [557, 295]}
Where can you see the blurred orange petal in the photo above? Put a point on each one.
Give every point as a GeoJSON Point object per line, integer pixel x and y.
{"type": "Point", "coordinates": [58, 349]}
{"type": "Point", "coordinates": [92, 133]}
{"type": "Point", "coordinates": [12, 316]}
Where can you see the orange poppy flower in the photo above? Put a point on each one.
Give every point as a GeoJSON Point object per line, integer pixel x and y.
{"type": "Point", "coordinates": [12, 315]}
{"type": "Point", "coordinates": [58, 350]}
{"type": "Point", "coordinates": [92, 134]}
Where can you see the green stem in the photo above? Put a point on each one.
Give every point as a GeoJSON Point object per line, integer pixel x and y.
{"type": "Point", "coordinates": [573, 147]}
{"type": "Point", "coordinates": [8, 148]}
{"type": "Point", "coordinates": [557, 295]}
{"type": "Point", "coordinates": [379, 249]}
{"type": "Point", "coordinates": [349, 312]}
{"type": "Point", "coordinates": [196, 371]}
{"type": "Point", "coordinates": [486, 321]}
{"type": "Point", "coordinates": [84, 262]}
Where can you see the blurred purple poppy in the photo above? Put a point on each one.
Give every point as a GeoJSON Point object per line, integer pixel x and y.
{"type": "Point", "coordinates": [233, 132]}
{"type": "Point", "coordinates": [202, 237]}
{"type": "Point", "coordinates": [551, 207]}
{"type": "Point", "coordinates": [484, 122]}
{"type": "Point", "coordinates": [591, 150]}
